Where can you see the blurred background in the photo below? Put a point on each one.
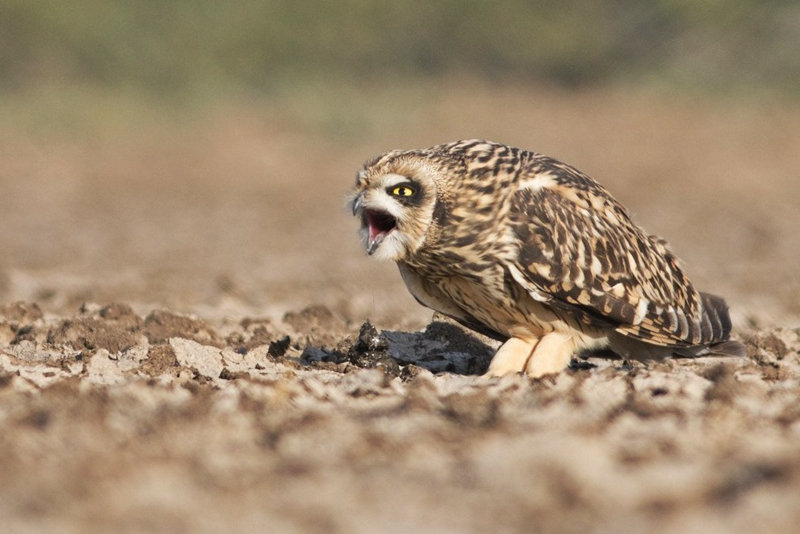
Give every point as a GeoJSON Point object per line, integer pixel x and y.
{"type": "Point", "coordinates": [197, 154]}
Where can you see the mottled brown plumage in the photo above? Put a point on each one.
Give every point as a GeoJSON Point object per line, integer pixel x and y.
{"type": "Point", "coordinates": [531, 251]}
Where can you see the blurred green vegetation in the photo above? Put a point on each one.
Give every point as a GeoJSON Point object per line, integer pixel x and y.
{"type": "Point", "coordinates": [176, 47]}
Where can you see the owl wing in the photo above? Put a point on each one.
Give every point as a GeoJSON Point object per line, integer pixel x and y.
{"type": "Point", "coordinates": [580, 252]}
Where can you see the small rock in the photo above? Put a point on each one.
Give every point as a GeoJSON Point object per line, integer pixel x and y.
{"type": "Point", "coordinates": [102, 370]}
{"type": "Point", "coordinates": [203, 359]}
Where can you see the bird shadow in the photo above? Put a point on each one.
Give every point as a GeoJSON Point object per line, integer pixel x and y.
{"type": "Point", "coordinates": [441, 347]}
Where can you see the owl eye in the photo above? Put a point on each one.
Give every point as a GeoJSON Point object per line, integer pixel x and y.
{"type": "Point", "coordinates": [402, 191]}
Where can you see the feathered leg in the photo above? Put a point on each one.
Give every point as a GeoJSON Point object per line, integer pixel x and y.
{"type": "Point", "coordinates": [551, 355]}
{"type": "Point", "coordinates": [512, 356]}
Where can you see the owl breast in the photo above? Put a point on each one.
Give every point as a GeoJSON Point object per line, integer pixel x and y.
{"type": "Point", "coordinates": [494, 305]}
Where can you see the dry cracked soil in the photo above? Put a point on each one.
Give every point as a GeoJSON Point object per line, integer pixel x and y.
{"type": "Point", "coordinates": [191, 340]}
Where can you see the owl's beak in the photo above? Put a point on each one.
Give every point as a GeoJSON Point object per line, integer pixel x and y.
{"type": "Point", "coordinates": [357, 203]}
{"type": "Point", "coordinates": [374, 242]}
{"type": "Point", "coordinates": [379, 225]}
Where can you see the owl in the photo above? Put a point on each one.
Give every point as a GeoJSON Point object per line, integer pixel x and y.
{"type": "Point", "coordinates": [532, 252]}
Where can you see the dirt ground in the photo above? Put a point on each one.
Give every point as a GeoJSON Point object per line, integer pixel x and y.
{"type": "Point", "coordinates": [192, 341]}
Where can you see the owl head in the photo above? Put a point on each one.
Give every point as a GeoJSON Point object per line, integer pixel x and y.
{"type": "Point", "coordinates": [395, 197]}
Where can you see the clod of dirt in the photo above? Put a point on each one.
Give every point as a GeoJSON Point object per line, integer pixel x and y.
{"type": "Point", "coordinates": [93, 334]}
{"type": "Point", "coordinates": [254, 333]}
{"type": "Point", "coordinates": [370, 351]}
{"type": "Point", "coordinates": [768, 346]}
{"type": "Point", "coordinates": [17, 321]}
{"type": "Point", "coordinates": [121, 313]}
{"type": "Point", "coordinates": [259, 336]}
{"type": "Point", "coordinates": [160, 359]}
{"type": "Point", "coordinates": [279, 347]}
{"type": "Point", "coordinates": [21, 312]}
{"type": "Point", "coordinates": [160, 326]}
{"type": "Point", "coordinates": [114, 327]}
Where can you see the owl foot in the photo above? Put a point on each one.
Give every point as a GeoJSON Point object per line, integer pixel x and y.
{"type": "Point", "coordinates": [511, 357]}
{"type": "Point", "coordinates": [551, 355]}
{"type": "Point", "coordinates": [535, 357]}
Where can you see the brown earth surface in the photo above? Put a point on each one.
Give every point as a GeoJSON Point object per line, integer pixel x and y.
{"type": "Point", "coordinates": [184, 344]}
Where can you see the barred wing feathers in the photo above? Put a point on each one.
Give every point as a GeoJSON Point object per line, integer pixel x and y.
{"type": "Point", "coordinates": [580, 251]}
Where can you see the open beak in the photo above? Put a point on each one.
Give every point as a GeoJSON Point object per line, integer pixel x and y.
{"type": "Point", "coordinates": [377, 223]}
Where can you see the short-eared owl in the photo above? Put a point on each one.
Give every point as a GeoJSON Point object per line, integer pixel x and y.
{"type": "Point", "coordinates": [533, 252]}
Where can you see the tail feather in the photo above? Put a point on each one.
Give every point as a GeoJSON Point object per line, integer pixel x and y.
{"type": "Point", "coordinates": [716, 327]}
{"type": "Point", "coordinates": [727, 348]}
{"type": "Point", "coordinates": [716, 321]}
{"type": "Point", "coordinates": [712, 339]}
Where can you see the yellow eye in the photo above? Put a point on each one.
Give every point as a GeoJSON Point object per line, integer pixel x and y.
{"type": "Point", "coordinates": [402, 191]}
